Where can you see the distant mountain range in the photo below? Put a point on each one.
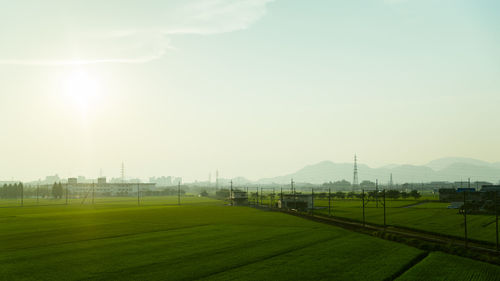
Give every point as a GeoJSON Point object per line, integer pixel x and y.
{"type": "Point", "coordinates": [444, 169]}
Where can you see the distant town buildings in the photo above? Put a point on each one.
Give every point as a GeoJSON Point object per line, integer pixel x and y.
{"type": "Point", "coordinates": [165, 181]}
{"type": "Point", "coordinates": [102, 187]}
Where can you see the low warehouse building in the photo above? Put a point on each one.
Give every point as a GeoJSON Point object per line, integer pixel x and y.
{"type": "Point", "coordinates": [239, 198]}
{"type": "Point", "coordinates": [302, 202]}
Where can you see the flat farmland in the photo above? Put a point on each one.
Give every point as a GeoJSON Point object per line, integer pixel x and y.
{"type": "Point", "coordinates": [440, 266]}
{"type": "Point", "coordinates": [203, 240]}
{"type": "Point", "coordinates": [199, 241]}
{"type": "Point", "coordinates": [126, 201]}
{"type": "Point", "coordinates": [420, 215]}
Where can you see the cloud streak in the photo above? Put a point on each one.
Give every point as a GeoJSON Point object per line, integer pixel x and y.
{"type": "Point", "coordinates": [63, 32]}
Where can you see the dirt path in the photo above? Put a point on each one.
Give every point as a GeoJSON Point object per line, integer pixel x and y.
{"type": "Point", "coordinates": [415, 204]}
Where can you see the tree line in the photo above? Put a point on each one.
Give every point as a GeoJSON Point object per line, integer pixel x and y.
{"type": "Point", "coordinates": [16, 190]}
{"type": "Point", "coordinates": [390, 194]}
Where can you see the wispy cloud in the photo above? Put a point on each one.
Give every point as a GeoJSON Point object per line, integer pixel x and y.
{"type": "Point", "coordinates": [62, 32]}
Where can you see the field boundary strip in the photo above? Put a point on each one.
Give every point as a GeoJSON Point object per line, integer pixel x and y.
{"type": "Point", "coordinates": [414, 204]}
{"type": "Point", "coordinates": [408, 266]}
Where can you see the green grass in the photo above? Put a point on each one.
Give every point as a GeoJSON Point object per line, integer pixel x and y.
{"type": "Point", "coordinates": [440, 266]}
{"type": "Point", "coordinates": [116, 241]}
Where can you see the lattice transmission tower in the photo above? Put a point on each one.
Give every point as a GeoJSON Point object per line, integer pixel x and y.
{"type": "Point", "coordinates": [216, 179]}
{"type": "Point", "coordinates": [122, 172]}
{"type": "Point", "coordinates": [355, 181]}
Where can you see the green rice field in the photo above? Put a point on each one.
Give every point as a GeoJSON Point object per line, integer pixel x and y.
{"type": "Point", "coordinates": [439, 266]}
{"type": "Point", "coordinates": [202, 239]}
{"type": "Point", "coordinates": [420, 215]}
{"type": "Point", "coordinates": [423, 215]}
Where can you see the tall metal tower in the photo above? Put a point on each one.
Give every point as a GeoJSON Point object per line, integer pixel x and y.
{"type": "Point", "coordinates": [391, 183]}
{"type": "Point", "coordinates": [216, 179]}
{"type": "Point", "coordinates": [355, 181]}
{"type": "Point", "coordinates": [123, 172]}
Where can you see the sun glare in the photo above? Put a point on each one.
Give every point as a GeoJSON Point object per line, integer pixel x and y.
{"type": "Point", "coordinates": [81, 89]}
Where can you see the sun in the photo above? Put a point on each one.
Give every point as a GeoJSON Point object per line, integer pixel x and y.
{"type": "Point", "coordinates": [81, 89]}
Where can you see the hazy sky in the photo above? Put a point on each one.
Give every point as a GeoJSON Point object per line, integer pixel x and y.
{"type": "Point", "coordinates": [255, 88]}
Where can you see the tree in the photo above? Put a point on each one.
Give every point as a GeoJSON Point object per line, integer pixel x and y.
{"type": "Point", "coordinates": [405, 194]}
{"type": "Point", "coordinates": [340, 195]}
{"type": "Point", "coordinates": [11, 190]}
{"type": "Point", "coordinates": [322, 195]}
{"type": "Point", "coordinates": [222, 193]}
{"type": "Point", "coordinates": [57, 190]}
{"type": "Point", "coordinates": [373, 194]}
{"type": "Point", "coordinates": [351, 194]}
{"type": "Point", "coordinates": [20, 189]}
{"type": "Point", "coordinates": [415, 194]}
{"type": "Point", "coordinates": [367, 185]}
{"type": "Point", "coordinates": [204, 193]}
{"type": "Point", "coordinates": [393, 194]}
{"type": "Point", "coordinates": [327, 185]}
{"type": "Point", "coordinates": [342, 185]}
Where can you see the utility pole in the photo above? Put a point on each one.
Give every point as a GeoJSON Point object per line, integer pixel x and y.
{"type": "Point", "coordinates": [272, 199]}
{"type": "Point", "coordinates": [257, 196]}
{"type": "Point", "coordinates": [465, 219]}
{"type": "Point", "coordinates": [496, 218]}
{"type": "Point", "coordinates": [363, 198]}
{"type": "Point", "coordinates": [22, 194]}
{"type": "Point", "coordinates": [281, 197]}
{"type": "Point", "coordinates": [138, 194]}
{"type": "Point", "coordinates": [312, 201]}
{"type": "Point", "coordinates": [294, 195]}
{"type": "Point", "coordinates": [179, 193]}
{"type": "Point", "coordinates": [376, 192]}
{"type": "Point", "coordinates": [261, 196]}
{"type": "Point", "coordinates": [329, 201]}
{"type": "Point", "coordinates": [231, 194]}
{"type": "Point", "coordinates": [385, 224]}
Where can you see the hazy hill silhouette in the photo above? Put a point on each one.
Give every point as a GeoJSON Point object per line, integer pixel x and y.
{"type": "Point", "coordinates": [444, 169]}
